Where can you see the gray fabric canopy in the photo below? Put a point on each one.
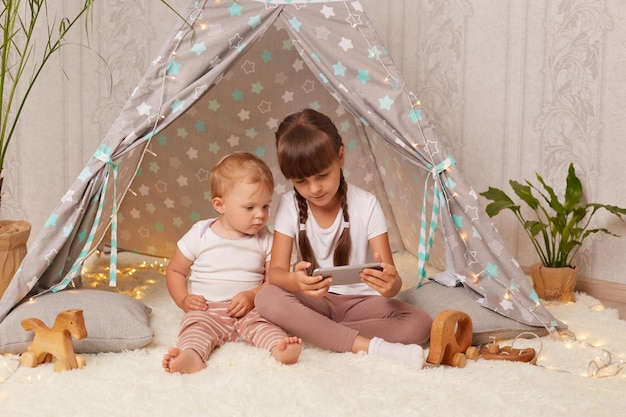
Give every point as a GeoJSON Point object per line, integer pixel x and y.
{"type": "Point", "coordinates": [222, 83]}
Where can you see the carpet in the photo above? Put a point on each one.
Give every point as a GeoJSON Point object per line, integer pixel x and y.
{"type": "Point", "coordinates": [578, 375]}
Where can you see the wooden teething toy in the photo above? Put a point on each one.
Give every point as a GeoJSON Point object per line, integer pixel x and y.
{"type": "Point", "coordinates": [56, 341]}
{"type": "Point", "coordinates": [493, 351]}
{"type": "Point", "coordinates": [451, 339]}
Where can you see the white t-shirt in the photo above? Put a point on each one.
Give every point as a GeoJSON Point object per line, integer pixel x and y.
{"type": "Point", "coordinates": [367, 220]}
{"type": "Point", "coordinates": [224, 267]}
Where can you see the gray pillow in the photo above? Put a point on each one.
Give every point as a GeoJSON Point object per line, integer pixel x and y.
{"type": "Point", "coordinates": [114, 322]}
{"type": "Point", "coordinates": [434, 298]}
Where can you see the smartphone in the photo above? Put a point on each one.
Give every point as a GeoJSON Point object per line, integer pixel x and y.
{"type": "Point", "coordinates": [346, 274]}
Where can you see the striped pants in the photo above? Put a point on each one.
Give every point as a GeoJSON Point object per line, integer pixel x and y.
{"type": "Point", "coordinates": [203, 331]}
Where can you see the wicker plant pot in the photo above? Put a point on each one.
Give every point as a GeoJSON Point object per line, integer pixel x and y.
{"type": "Point", "coordinates": [554, 283]}
{"type": "Point", "coordinates": [13, 238]}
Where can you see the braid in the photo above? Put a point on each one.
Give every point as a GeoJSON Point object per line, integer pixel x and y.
{"type": "Point", "coordinates": [344, 244]}
{"type": "Point", "coordinates": [306, 252]}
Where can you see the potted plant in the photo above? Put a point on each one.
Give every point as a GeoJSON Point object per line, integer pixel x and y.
{"type": "Point", "coordinates": [31, 35]}
{"type": "Point", "coordinates": [557, 231]}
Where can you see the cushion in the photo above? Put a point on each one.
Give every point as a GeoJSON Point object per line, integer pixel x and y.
{"type": "Point", "coordinates": [114, 322]}
{"type": "Point", "coordinates": [434, 298]}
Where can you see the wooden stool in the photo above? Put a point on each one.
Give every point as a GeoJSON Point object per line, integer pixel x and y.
{"type": "Point", "coordinates": [56, 341]}
{"type": "Point", "coordinates": [451, 339]}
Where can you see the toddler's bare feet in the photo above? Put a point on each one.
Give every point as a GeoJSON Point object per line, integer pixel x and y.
{"type": "Point", "coordinates": [288, 350]}
{"type": "Point", "coordinates": [183, 361]}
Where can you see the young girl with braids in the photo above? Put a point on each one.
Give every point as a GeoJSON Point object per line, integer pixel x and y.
{"type": "Point", "coordinates": [334, 223]}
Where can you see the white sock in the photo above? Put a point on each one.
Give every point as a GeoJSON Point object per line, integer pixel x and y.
{"type": "Point", "coordinates": [412, 355]}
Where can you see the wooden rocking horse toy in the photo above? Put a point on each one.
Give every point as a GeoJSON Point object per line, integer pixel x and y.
{"type": "Point", "coordinates": [56, 341]}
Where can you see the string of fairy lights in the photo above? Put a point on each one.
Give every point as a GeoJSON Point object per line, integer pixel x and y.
{"type": "Point", "coordinates": [607, 365]}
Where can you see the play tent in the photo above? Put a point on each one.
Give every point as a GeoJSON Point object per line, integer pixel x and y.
{"type": "Point", "coordinates": [222, 83]}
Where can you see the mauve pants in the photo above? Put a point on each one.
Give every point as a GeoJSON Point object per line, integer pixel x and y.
{"type": "Point", "coordinates": [334, 320]}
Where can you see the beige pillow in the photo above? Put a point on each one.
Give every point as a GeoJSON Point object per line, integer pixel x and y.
{"type": "Point", "coordinates": [114, 322]}
{"type": "Point", "coordinates": [434, 298]}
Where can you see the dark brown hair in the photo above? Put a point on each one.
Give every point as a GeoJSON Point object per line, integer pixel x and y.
{"type": "Point", "coordinates": [307, 143]}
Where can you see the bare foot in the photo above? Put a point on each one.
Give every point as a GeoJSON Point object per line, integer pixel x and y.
{"type": "Point", "coordinates": [287, 351]}
{"type": "Point", "coordinates": [183, 361]}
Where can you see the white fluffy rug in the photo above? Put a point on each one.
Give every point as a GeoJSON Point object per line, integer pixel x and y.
{"type": "Point", "coordinates": [244, 381]}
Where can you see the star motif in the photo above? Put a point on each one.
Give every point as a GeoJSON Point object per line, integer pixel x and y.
{"type": "Point", "coordinates": [287, 44]}
{"type": "Point", "coordinates": [233, 140]}
{"type": "Point", "coordinates": [280, 78]}
{"type": "Point", "coordinates": [496, 247]}
{"type": "Point", "coordinates": [175, 162]}
{"type": "Point", "coordinates": [272, 123]}
{"type": "Point", "coordinates": [266, 56]}
{"type": "Point", "coordinates": [328, 12]}
{"type": "Point", "coordinates": [161, 186]}
{"type": "Point", "coordinates": [198, 48]}
{"type": "Point", "coordinates": [264, 107]}
{"type": "Point", "coordinates": [173, 68]}
{"type": "Point", "coordinates": [186, 202]}
{"type": "Point", "coordinates": [182, 181]}
{"type": "Point", "coordinates": [257, 88]}
{"type": "Point", "coordinates": [192, 153]}
{"type": "Point", "coordinates": [470, 257]}
{"type": "Point", "coordinates": [322, 32]}
{"type": "Point", "coordinates": [287, 96]}
{"type": "Point", "coordinates": [254, 21]}
{"type": "Point", "coordinates": [415, 115]}
{"type": "Point", "coordinates": [135, 214]}
{"type": "Point", "coordinates": [243, 115]}
{"type": "Point", "coordinates": [251, 133]}
{"type": "Point", "coordinates": [357, 6]}
{"type": "Point", "coordinates": [177, 221]}
{"type": "Point", "coordinates": [169, 203]}
{"type": "Point", "coordinates": [199, 91]}
{"type": "Point", "coordinates": [202, 175]}
{"type": "Point", "coordinates": [144, 189]}
{"type": "Point", "coordinates": [492, 270]}
{"type": "Point", "coordinates": [345, 44]}
{"type": "Point", "coordinates": [298, 65]}
{"type": "Point", "coordinates": [150, 208]}
{"type": "Point", "coordinates": [85, 174]}
{"type": "Point", "coordinates": [235, 9]}
{"type": "Point", "coordinates": [181, 132]}
{"type": "Point", "coordinates": [506, 304]}
{"type": "Point", "coordinates": [385, 103]}
{"type": "Point", "coordinates": [144, 109]}
{"type": "Point", "coordinates": [247, 67]}
{"type": "Point", "coordinates": [363, 76]}
{"type": "Point", "coordinates": [52, 220]}
{"type": "Point", "coordinates": [214, 105]}
{"type": "Point", "coordinates": [143, 232]}
{"type": "Point", "coordinates": [458, 221]}
{"type": "Point", "coordinates": [295, 24]}
{"type": "Point", "coordinates": [200, 126]}
{"type": "Point", "coordinates": [374, 52]}
{"type": "Point", "coordinates": [177, 105]}
{"type": "Point", "coordinates": [340, 69]}
{"type": "Point", "coordinates": [472, 212]}
{"type": "Point", "coordinates": [354, 20]}
{"type": "Point", "coordinates": [235, 41]}
{"type": "Point", "coordinates": [308, 86]}
{"type": "Point", "coordinates": [237, 95]}
{"type": "Point", "coordinates": [214, 148]}
{"type": "Point", "coordinates": [154, 167]}
{"type": "Point", "coordinates": [68, 197]}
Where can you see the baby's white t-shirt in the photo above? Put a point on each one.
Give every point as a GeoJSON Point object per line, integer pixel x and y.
{"type": "Point", "coordinates": [224, 267]}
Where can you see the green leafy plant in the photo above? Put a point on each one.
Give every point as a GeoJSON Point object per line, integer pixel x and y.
{"type": "Point", "coordinates": [23, 59]}
{"type": "Point", "coordinates": [560, 226]}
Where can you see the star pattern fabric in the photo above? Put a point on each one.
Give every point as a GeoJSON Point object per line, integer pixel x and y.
{"type": "Point", "coordinates": [223, 82]}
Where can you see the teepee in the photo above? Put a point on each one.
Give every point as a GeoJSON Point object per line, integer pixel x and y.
{"type": "Point", "coordinates": [223, 81]}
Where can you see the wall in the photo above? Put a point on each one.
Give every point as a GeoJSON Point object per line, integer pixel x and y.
{"type": "Point", "coordinates": [515, 87]}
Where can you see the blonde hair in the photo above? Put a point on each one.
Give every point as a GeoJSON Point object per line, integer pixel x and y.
{"type": "Point", "coordinates": [307, 143]}
{"type": "Point", "coordinates": [236, 168]}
